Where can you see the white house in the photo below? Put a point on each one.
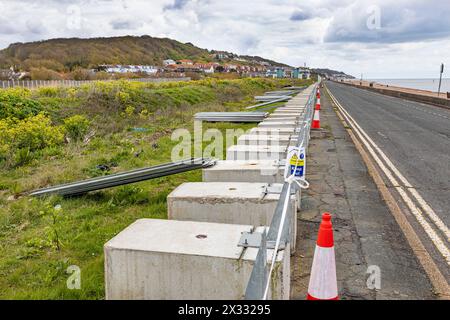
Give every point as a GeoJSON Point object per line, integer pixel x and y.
{"type": "Point", "coordinates": [304, 73]}
{"type": "Point", "coordinates": [131, 69]}
{"type": "Point", "coordinates": [169, 62]}
{"type": "Point", "coordinates": [222, 55]}
{"type": "Point", "coordinates": [209, 68]}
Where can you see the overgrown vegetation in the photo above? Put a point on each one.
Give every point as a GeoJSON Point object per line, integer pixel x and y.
{"type": "Point", "coordinates": [17, 103]}
{"type": "Point", "coordinates": [76, 127]}
{"type": "Point", "coordinates": [21, 139]}
{"type": "Point", "coordinates": [56, 135]}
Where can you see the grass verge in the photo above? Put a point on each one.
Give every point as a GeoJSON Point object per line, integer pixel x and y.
{"type": "Point", "coordinates": [38, 242]}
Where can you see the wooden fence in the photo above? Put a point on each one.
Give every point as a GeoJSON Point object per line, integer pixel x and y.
{"type": "Point", "coordinates": [34, 84]}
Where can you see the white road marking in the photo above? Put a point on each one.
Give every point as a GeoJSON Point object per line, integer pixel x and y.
{"type": "Point", "coordinates": [422, 110]}
{"type": "Point", "coordinates": [406, 183]}
{"type": "Point", "coordinates": [382, 135]}
{"type": "Point", "coordinates": [408, 105]}
{"type": "Point", "coordinates": [368, 142]}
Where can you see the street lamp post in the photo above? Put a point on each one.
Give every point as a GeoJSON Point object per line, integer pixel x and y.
{"type": "Point", "coordinates": [440, 79]}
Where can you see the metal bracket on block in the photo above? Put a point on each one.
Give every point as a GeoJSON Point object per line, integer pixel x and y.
{"type": "Point", "coordinates": [280, 163]}
{"type": "Point", "coordinates": [253, 240]}
{"type": "Point", "coordinates": [271, 189]}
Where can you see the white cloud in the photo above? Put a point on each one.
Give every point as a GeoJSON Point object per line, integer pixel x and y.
{"type": "Point", "coordinates": [399, 21]}
{"type": "Point", "coordinates": [412, 41]}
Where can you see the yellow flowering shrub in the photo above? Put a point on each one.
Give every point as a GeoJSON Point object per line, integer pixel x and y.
{"type": "Point", "coordinates": [16, 103]}
{"type": "Point", "coordinates": [130, 110]}
{"type": "Point", "coordinates": [76, 127]}
{"type": "Point", "coordinates": [48, 91]}
{"type": "Point", "coordinates": [123, 97]}
{"type": "Point", "coordinates": [24, 137]}
{"type": "Point", "coordinates": [71, 93]}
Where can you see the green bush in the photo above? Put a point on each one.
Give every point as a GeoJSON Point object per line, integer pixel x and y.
{"type": "Point", "coordinates": [16, 103]}
{"type": "Point", "coordinates": [20, 139]}
{"type": "Point", "coordinates": [50, 92]}
{"type": "Point", "coordinates": [76, 127]}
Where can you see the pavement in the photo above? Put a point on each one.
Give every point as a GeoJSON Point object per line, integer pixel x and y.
{"type": "Point", "coordinates": [366, 234]}
{"type": "Point", "coordinates": [416, 138]}
{"type": "Point", "coordinates": [367, 84]}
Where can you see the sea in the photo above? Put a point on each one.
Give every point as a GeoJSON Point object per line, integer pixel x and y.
{"type": "Point", "coordinates": [422, 84]}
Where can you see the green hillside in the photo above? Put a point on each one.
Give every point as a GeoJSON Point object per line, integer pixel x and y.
{"type": "Point", "coordinates": [63, 55]}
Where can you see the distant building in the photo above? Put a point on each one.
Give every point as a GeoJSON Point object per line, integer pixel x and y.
{"type": "Point", "coordinates": [169, 62]}
{"type": "Point", "coordinates": [206, 67]}
{"type": "Point", "coordinates": [275, 72]}
{"type": "Point", "coordinates": [130, 69]}
{"type": "Point", "coordinates": [183, 68]}
{"type": "Point", "coordinates": [222, 55]}
{"type": "Point", "coordinates": [244, 69]}
{"type": "Point", "coordinates": [10, 74]}
{"type": "Point", "coordinates": [231, 68]}
{"type": "Point", "coordinates": [271, 73]}
{"type": "Point", "coordinates": [185, 62]}
{"type": "Point", "coordinates": [301, 73]}
{"type": "Point", "coordinates": [251, 71]}
{"type": "Point", "coordinates": [6, 74]}
{"type": "Point", "coordinates": [220, 68]}
{"type": "Point", "coordinates": [288, 73]}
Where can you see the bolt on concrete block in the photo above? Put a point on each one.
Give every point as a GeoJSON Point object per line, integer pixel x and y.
{"type": "Point", "coordinates": [229, 202]}
{"type": "Point", "coordinates": [181, 260]}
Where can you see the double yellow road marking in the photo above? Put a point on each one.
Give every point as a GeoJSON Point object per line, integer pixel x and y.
{"type": "Point", "coordinates": [407, 192]}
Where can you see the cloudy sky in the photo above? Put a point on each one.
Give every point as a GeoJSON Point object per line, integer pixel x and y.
{"type": "Point", "coordinates": [379, 38]}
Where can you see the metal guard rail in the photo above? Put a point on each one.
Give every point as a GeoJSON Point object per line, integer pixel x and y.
{"type": "Point", "coordinates": [259, 277]}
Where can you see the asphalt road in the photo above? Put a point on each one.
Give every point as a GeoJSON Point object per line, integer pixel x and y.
{"type": "Point", "coordinates": [414, 136]}
{"type": "Point", "coordinates": [366, 233]}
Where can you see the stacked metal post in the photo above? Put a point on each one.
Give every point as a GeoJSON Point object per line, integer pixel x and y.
{"type": "Point", "coordinates": [286, 96]}
{"type": "Point", "coordinates": [123, 178]}
{"type": "Point", "coordinates": [231, 116]}
{"type": "Point", "coordinates": [268, 98]}
{"type": "Point", "coordinates": [282, 92]}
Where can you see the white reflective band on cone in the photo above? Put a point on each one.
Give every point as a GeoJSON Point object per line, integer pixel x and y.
{"type": "Point", "coordinates": [316, 115]}
{"type": "Point", "coordinates": [323, 282]}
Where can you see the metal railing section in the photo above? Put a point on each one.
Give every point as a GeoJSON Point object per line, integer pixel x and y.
{"type": "Point", "coordinates": [231, 116]}
{"type": "Point", "coordinates": [118, 179]}
{"type": "Point", "coordinates": [278, 236]}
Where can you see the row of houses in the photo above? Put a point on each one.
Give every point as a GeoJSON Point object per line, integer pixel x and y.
{"type": "Point", "coordinates": [10, 74]}
{"type": "Point", "coordinates": [182, 66]}
{"type": "Point", "coordinates": [211, 67]}
{"type": "Point", "coordinates": [151, 70]}
{"type": "Point", "coordinates": [188, 66]}
{"type": "Point", "coordinates": [261, 70]}
{"type": "Point", "coordinates": [286, 72]}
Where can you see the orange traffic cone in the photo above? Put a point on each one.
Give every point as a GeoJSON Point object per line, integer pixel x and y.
{"type": "Point", "coordinates": [318, 104]}
{"type": "Point", "coordinates": [318, 94]}
{"type": "Point", "coordinates": [323, 282]}
{"type": "Point", "coordinates": [316, 120]}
